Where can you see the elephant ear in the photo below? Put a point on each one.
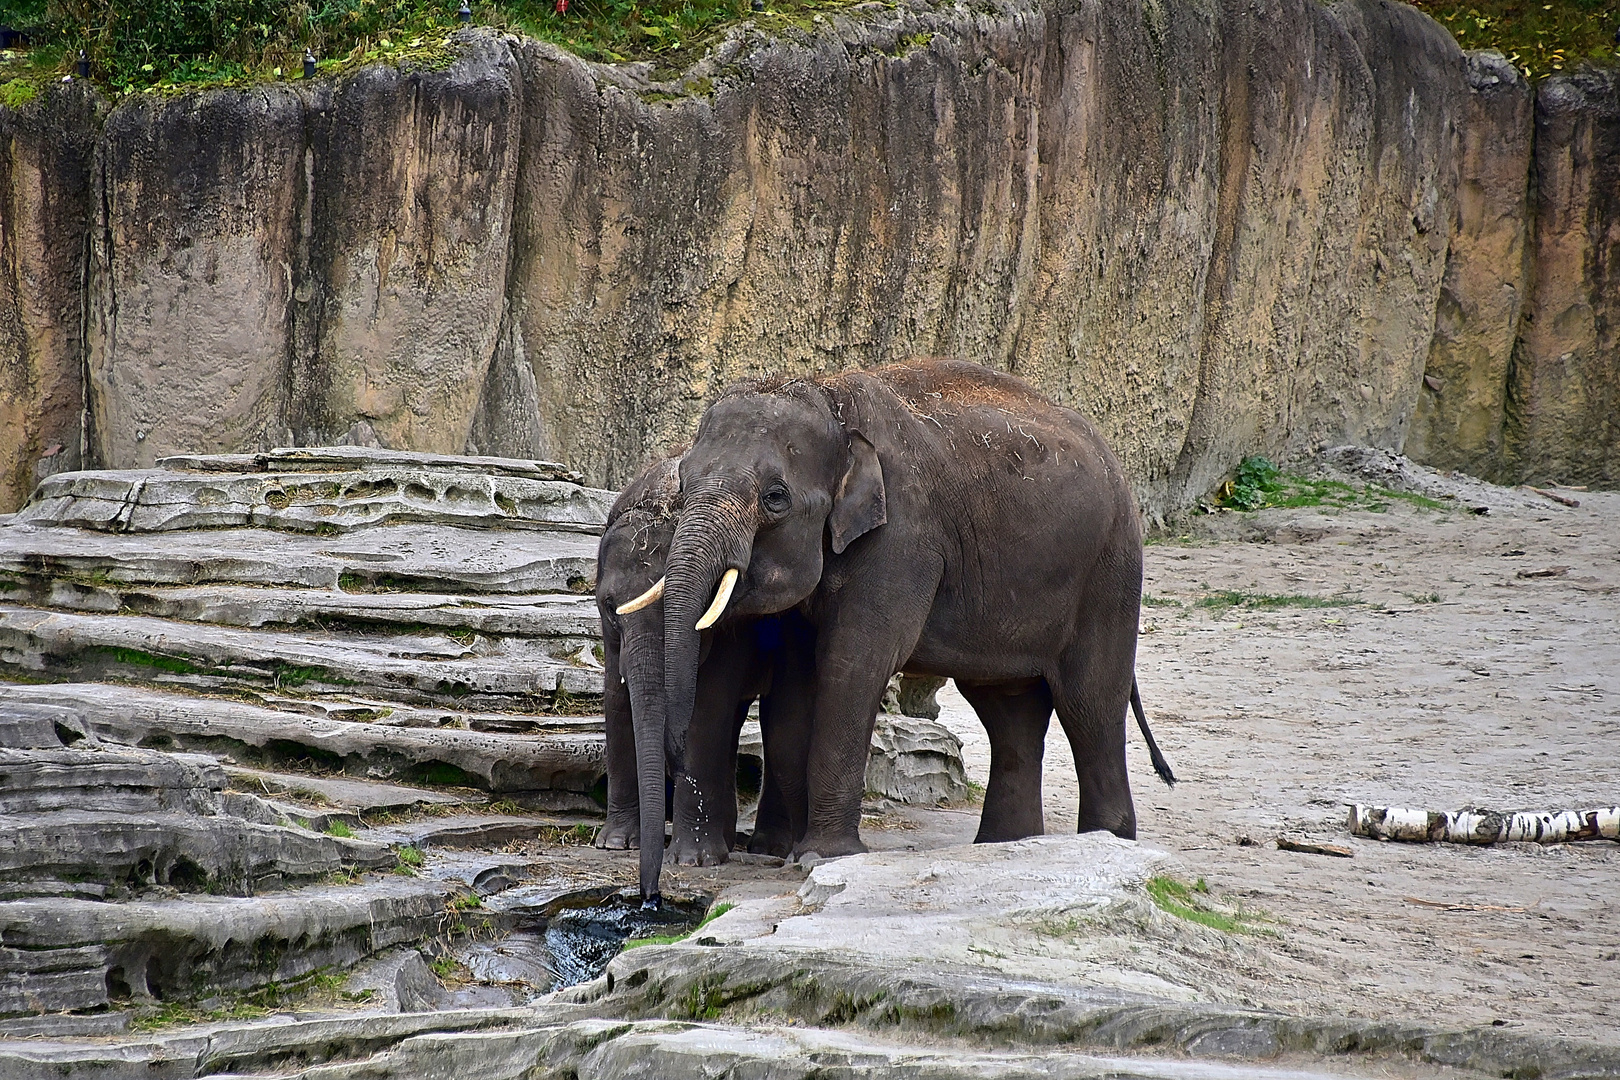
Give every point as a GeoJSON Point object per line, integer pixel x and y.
{"type": "Point", "coordinates": [860, 505]}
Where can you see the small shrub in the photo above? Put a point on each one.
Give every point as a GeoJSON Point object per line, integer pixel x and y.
{"type": "Point", "coordinates": [1256, 477]}
{"type": "Point", "coordinates": [17, 93]}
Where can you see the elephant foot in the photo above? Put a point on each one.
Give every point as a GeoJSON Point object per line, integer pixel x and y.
{"type": "Point", "coordinates": [770, 843]}
{"type": "Point", "coordinates": [685, 851]}
{"type": "Point", "coordinates": [619, 835]}
{"type": "Point", "coordinates": [828, 845]}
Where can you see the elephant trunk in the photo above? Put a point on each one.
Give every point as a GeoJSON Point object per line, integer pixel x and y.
{"type": "Point", "coordinates": [715, 534]}
{"type": "Point", "coordinates": [641, 660]}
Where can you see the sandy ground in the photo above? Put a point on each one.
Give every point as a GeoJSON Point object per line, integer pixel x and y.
{"type": "Point", "coordinates": [1453, 681]}
{"type": "Point", "coordinates": [1444, 680]}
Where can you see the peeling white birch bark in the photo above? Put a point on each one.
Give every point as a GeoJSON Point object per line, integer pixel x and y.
{"type": "Point", "coordinates": [1484, 826]}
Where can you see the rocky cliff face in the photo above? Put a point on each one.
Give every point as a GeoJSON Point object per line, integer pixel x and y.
{"type": "Point", "coordinates": [1218, 229]}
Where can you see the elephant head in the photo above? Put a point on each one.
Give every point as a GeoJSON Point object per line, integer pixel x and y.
{"type": "Point", "coordinates": [772, 481]}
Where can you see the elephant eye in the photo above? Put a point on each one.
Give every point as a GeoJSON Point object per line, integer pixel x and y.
{"type": "Point", "coordinates": [776, 500]}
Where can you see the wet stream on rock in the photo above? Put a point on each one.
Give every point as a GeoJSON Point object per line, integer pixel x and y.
{"type": "Point", "coordinates": [572, 939]}
{"type": "Point", "coordinates": [581, 941]}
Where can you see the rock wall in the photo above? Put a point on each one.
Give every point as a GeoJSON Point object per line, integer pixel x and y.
{"type": "Point", "coordinates": [46, 155]}
{"type": "Point", "coordinates": [1218, 228]}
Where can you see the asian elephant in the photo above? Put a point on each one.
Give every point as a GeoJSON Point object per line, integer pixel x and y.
{"type": "Point", "coordinates": [748, 659]}
{"type": "Point", "coordinates": [935, 518]}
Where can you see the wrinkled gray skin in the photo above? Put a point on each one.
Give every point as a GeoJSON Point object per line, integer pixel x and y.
{"type": "Point", "coordinates": [740, 662]}
{"type": "Point", "coordinates": [937, 518]}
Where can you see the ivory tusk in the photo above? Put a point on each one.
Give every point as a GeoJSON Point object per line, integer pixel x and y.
{"type": "Point", "coordinates": [722, 597]}
{"type": "Point", "coordinates": [651, 596]}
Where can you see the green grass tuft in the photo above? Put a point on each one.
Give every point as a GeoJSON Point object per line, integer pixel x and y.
{"type": "Point", "coordinates": [1271, 602]}
{"type": "Point", "coordinates": [408, 860]}
{"type": "Point", "coordinates": [1186, 902]}
{"type": "Point", "coordinates": [670, 939]}
{"type": "Point", "coordinates": [174, 665]}
{"type": "Point", "coordinates": [334, 827]}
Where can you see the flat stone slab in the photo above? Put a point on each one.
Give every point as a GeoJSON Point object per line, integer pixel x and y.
{"type": "Point", "coordinates": [344, 793]}
{"type": "Point", "coordinates": [325, 491]}
{"type": "Point", "coordinates": [549, 615]}
{"type": "Point", "coordinates": [119, 779]}
{"type": "Point", "coordinates": [406, 667]}
{"type": "Point", "coordinates": [324, 458]}
{"type": "Point", "coordinates": [550, 1041]}
{"type": "Point", "coordinates": [420, 558]}
{"type": "Point", "coordinates": [1054, 941]}
{"type": "Point", "coordinates": [569, 763]}
{"type": "Point", "coordinates": [237, 1047]}
{"type": "Point", "coordinates": [463, 832]}
{"type": "Point", "coordinates": [66, 850]}
{"type": "Point", "coordinates": [69, 954]}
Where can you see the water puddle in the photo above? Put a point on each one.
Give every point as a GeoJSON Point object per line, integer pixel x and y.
{"type": "Point", "coordinates": [555, 937]}
{"type": "Point", "coordinates": [582, 940]}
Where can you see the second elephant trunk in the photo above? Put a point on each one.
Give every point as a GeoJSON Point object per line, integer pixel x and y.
{"type": "Point", "coordinates": [641, 660]}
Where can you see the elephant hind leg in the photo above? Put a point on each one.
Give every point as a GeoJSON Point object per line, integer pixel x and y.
{"type": "Point", "coordinates": [1015, 717]}
{"type": "Point", "coordinates": [1091, 694]}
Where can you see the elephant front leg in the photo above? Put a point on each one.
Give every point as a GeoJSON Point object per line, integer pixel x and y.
{"type": "Point", "coordinates": [706, 785]}
{"type": "Point", "coordinates": [871, 626]}
{"type": "Point", "coordinates": [785, 716]}
{"type": "Point", "coordinates": [622, 830]}
{"type": "Point", "coordinates": [706, 798]}
{"type": "Point", "coordinates": [848, 695]}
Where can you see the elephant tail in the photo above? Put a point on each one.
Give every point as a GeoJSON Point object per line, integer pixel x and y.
{"type": "Point", "coordinates": [1160, 765]}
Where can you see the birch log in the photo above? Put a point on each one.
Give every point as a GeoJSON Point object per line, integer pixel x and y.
{"type": "Point", "coordinates": [1484, 826]}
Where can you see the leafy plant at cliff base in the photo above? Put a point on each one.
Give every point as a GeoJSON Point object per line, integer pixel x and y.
{"type": "Point", "coordinates": [1257, 484]}
{"type": "Point", "coordinates": [1256, 478]}
{"type": "Point", "coordinates": [1540, 38]}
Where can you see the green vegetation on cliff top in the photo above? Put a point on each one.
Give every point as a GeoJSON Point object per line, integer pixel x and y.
{"type": "Point", "coordinates": [137, 45]}
{"type": "Point", "coordinates": [1540, 38]}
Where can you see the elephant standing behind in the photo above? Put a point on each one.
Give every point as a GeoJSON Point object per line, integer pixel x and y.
{"type": "Point", "coordinates": [745, 660]}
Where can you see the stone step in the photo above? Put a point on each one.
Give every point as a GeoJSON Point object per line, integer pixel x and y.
{"type": "Point", "coordinates": [552, 1041]}
{"type": "Point", "coordinates": [118, 779]}
{"type": "Point", "coordinates": [547, 771]}
{"type": "Point", "coordinates": [345, 793]}
{"type": "Point", "coordinates": [99, 853]}
{"type": "Point", "coordinates": [321, 492]}
{"type": "Point", "coordinates": [493, 672]}
{"type": "Point", "coordinates": [71, 954]}
{"type": "Point", "coordinates": [410, 558]}
{"type": "Point", "coordinates": [325, 458]}
{"type": "Point", "coordinates": [236, 1047]}
{"type": "Point", "coordinates": [464, 832]}
{"type": "Point", "coordinates": [543, 615]}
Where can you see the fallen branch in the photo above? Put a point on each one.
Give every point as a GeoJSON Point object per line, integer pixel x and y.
{"type": "Point", "coordinates": [1564, 499]}
{"type": "Point", "coordinates": [1484, 826]}
{"type": "Point", "coordinates": [1305, 847]}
